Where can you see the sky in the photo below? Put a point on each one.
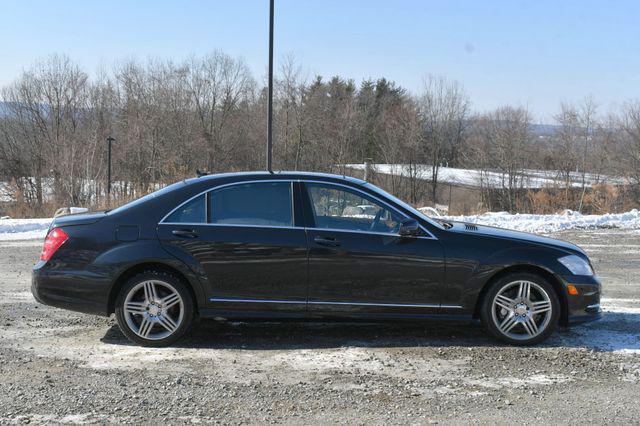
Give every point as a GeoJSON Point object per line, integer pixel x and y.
{"type": "Point", "coordinates": [529, 53]}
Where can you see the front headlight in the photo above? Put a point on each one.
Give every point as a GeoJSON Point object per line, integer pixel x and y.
{"type": "Point", "coordinates": [576, 264]}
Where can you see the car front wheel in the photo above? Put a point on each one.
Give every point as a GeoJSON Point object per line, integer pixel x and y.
{"type": "Point", "coordinates": [154, 308]}
{"type": "Point", "coordinates": [521, 309]}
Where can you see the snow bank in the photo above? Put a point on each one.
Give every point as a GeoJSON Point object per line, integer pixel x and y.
{"type": "Point", "coordinates": [554, 222]}
{"type": "Point", "coordinates": [33, 229]}
{"type": "Point", "coordinates": [23, 229]}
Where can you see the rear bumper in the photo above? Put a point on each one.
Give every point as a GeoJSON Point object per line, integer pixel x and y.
{"type": "Point", "coordinates": [585, 306]}
{"type": "Point", "coordinates": [64, 290]}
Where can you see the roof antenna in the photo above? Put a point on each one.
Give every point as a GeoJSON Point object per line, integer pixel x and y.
{"type": "Point", "coordinates": [200, 173]}
{"type": "Point", "coordinates": [270, 105]}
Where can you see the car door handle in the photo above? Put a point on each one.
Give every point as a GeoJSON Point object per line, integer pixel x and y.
{"type": "Point", "coordinates": [327, 241]}
{"type": "Point", "coordinates": [185, 233]}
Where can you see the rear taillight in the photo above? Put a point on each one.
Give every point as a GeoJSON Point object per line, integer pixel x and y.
{"type": "Point", "coordinates": [55, 238]}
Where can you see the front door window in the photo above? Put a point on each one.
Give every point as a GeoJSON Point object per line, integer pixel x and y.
{"type": "Point", "coordinates": [339, 208]}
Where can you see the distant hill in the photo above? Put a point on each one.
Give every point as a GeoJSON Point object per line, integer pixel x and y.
{"type": "Point", "coordinates": [544, 129]}
{"type": "Point", "coordinates": [537, 129]}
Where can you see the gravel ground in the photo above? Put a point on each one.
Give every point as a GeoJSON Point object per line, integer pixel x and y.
{"type": "Point", "coordinates": [62, 367]}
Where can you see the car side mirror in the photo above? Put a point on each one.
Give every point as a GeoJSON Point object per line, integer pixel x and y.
{"type": "Point", "coordinates": [409, 228]}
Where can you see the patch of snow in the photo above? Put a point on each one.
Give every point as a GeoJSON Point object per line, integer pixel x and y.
{"type": "Point", "coordinates": [553, 222]}
{"type": "Point", "coordinates": [430, 211]}
{"type": "Point", "coordinates": [23, 229]}
{"type": "Point", "coordinates": [517, 382]}
{"type": "Point", "coordinates": [20, 297]}
{"type": "Point", "coordinates": [30, 229]}
{"type": "Point", "coordinates": [619, 301]}
{"type": "Point", "coordinates": [83, 418]}
{"type": "Point", "coordinates": [618, 331]}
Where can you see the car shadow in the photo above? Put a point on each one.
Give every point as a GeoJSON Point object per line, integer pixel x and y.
{"type": "Point", "coordinates": [616, 331]}
{"type": "Point", "coordinates": [285, 335]}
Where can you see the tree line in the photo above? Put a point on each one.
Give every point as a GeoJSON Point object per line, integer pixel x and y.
{"type": "Point", "coordinates": [170, 118]}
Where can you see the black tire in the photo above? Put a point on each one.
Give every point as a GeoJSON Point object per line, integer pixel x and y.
{"type": "Point", "coordinates": [489, 317]}
{"type": "Point", "coordinates": [166, 281]}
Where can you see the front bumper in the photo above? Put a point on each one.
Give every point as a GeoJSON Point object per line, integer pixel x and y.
{"type": "Point", "coordinates": [585, 306]}
{"type": "Point", "coordinates": [69, 291]}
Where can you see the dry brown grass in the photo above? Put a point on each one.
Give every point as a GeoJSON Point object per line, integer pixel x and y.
{"type": "Point", "coordinates": [598, 199]}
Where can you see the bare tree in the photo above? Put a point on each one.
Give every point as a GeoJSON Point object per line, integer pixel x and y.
{"type": "Point", "coordinates": [564, 151]}
{"type": "Point", "coordinates": [630, 123]}
{"type": "Point", "coordinates": [171, 117]}
{"type": "Point", "coordinates": [289, 121]}
{"type": "Point", "coordinates": [587, 120]}
{"type": "Point", "coordinates": [49, 103]}
{"type": "Point", "coordinates": [507, 135]}
{"type": "Point", "coordinates": [218, 84]}
{"type": "Point", "coordinates": [444, 111]}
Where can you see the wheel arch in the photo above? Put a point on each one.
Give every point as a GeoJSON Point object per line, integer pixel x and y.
{"type": "Point", "coordinates": [533, 269]}
{"type": "Point", "coordinates": [133, 270]}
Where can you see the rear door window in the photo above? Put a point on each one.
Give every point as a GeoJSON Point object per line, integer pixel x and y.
{"type": "Point", "coordinates": [191, 212]}
{"type": "Point", "coordinates": [256, 203]}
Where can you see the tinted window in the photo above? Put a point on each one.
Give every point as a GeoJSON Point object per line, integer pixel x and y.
{"type": "Point", "coordinates": [191, 212]}
{"type": "Point", "coordinates": [401, 203]}
{"type": "Point", "coordinates": [263, 203]}
{"type": "Point", "coordinates": [338, 208]}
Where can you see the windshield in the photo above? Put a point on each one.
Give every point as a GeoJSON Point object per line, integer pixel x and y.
{"type": "Point", "coordinates": [407, 206]}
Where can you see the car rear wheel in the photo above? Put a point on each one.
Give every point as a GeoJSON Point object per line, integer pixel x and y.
{"type": "Point", "coordinates": [521, 309]}
{"type": "Point", "coordinates": [154, 308]}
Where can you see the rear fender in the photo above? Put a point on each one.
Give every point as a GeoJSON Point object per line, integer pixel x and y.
{"type": "Point", "coordinates": [121, 258]}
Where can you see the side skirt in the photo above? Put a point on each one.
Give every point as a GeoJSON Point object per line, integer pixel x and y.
{"type": "Point", "coordinates": [308, 316]}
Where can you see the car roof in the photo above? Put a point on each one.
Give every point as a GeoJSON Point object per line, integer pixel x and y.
{"type": "Point", "coordinates": [186, 188]}
{"type": "Point", "coordinates": [241, 176]}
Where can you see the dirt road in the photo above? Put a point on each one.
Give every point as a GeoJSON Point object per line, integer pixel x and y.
{"type": "Point", "coordinates": [58, 366]}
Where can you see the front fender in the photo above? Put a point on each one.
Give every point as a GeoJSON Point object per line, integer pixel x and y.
{"type": "Point", "coordinates": [529, 258]}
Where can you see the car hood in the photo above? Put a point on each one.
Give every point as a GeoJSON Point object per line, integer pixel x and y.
{"type": "Point", "coordinates": [507, 234]}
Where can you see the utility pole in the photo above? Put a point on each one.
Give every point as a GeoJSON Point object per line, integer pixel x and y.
{"type": "Point", "coordinates": [270, 105]}
{"type": "Point", "coordinates": [367, 169]}
{"type": "Point", "coordinates": [110, 140]}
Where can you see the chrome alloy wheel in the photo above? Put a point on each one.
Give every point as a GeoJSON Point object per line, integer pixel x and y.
{"type": "Point", "coordinates": [153, 309]}
{"type": "Point", "coordinates": [521, 310]}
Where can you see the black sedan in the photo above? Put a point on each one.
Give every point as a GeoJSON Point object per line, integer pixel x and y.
{"type": "Point", "coordinates": [305, 246]}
